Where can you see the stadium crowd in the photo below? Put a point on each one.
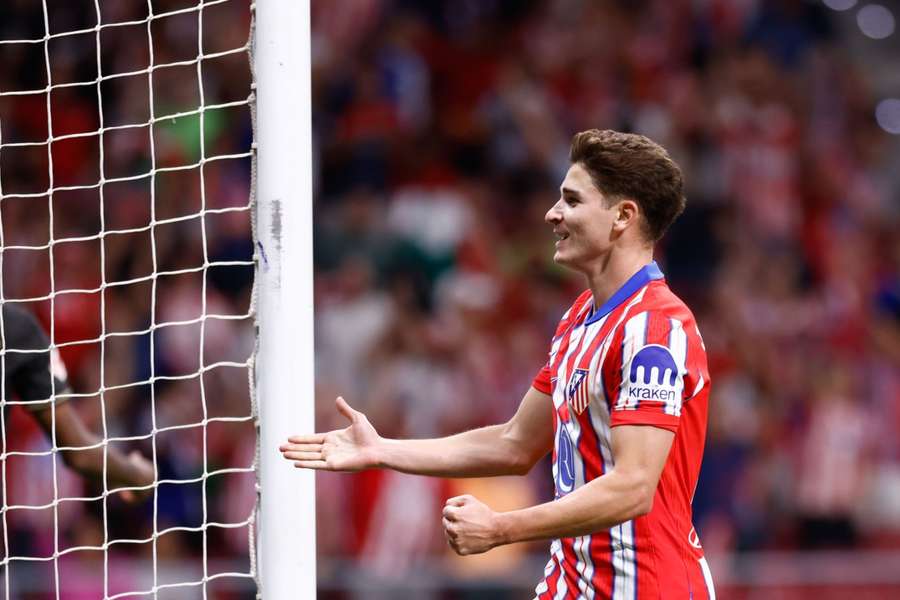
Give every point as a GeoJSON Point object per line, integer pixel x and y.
{"type": "Point", "coordinates": [441, 132]}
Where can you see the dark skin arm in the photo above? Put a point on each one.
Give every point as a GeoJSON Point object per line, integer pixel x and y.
{"type": "Point", "coordinates": [133, 470]}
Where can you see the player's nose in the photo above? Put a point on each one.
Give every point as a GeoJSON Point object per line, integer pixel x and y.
{"type": "Point", "coordinates": [554, 215]}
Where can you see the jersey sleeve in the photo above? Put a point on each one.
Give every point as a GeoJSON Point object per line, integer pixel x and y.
{"type": "Point", "coordinates": [33, 370]}
{"type": "Point", "coordinates": [648, 373]}
{"type": "Point", "coordinates": [541, 381]}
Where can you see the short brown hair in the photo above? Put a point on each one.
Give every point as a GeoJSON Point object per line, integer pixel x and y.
{"type": "Point", "coordinates": [627, 165]}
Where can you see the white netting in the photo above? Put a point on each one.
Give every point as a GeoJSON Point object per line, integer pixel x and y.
{"type": "Point", "coordinates": [125, 151]}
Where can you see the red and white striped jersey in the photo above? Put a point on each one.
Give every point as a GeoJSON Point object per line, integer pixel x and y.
{"type": "Point", "coordinates": [636, 360]}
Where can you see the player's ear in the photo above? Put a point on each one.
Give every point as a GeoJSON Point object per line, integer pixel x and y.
{"type": "Point", "coordinates": [627, 213]}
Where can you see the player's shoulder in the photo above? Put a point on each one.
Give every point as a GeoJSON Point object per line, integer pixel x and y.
{"type": "Point", "coordinates": [20, 328]}
{"type": "Point", "coordinates": [659, 300]}
{"type": "Point", "coordinates": [659, 312]}
{"type": "Point", "coordinates": [658, 320]}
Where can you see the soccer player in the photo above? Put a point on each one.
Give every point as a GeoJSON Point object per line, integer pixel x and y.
{"type": "Point", "coordinates": [33, 376]}
{"type": "Point", "coordinates": [621, 402]}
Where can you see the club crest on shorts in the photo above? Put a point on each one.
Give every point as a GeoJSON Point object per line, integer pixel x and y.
{"type": "Point", "coordinates": [577, 392]}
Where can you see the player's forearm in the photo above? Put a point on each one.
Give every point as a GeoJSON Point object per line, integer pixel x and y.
{"type": "Point", "coordinates": [89, 462]}
{"type": "Point", "coordinates": [596, 506]}
{"type": "Point", "coordinates": [82, 450]}
{"type": "Point", "coordinates": [483, 452]}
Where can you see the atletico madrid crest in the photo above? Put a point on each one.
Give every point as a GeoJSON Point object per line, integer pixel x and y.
{"type": "Point", "coordinates": [577, 392]}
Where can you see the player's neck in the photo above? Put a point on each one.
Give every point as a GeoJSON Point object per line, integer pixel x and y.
{"type": "Point", "coordinates": [613, 270]}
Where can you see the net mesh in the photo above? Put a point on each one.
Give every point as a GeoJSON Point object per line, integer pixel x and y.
{"type": "Point", "coordinates": [125, 158]}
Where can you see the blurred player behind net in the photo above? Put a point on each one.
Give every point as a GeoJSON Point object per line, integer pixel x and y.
{"type": "Point", "coordinates": [29, 376]}
{"type": "Point", "coordinates": [621, 403]}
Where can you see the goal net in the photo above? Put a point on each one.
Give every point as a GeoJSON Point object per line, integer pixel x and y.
{"type": "Point", "coordinates": [125, 229]}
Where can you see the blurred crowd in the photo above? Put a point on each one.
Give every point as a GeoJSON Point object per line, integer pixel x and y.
{"type": "Point", "coordinates": [165, 255]}
{"type": "Point", "coordinates": [441, 133]}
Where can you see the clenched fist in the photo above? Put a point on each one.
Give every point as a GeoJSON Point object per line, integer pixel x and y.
{"type": "Point", "coordinates": [470, 526]}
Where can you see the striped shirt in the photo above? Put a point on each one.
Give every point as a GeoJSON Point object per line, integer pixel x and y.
{"type": "Point", "coordinates": [637, 360]}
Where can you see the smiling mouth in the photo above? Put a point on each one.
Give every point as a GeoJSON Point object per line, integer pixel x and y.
{"type": "Point", "coordinates": [561, 236]}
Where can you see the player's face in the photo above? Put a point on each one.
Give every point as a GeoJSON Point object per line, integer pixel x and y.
{"type": "Point", "coordinates": [581, 220]}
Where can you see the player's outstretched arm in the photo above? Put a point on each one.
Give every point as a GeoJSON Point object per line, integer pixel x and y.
{"type": "Point", "coordinates": [506, 449]}
{"type": "Point", "coordinates": [133, 470]}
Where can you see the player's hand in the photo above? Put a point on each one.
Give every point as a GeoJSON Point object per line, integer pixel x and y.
{"type": "Point", "coordinates": [350, 449]}
{"type": "Point", "coordinates": [470, 526]}
{"type": "Point", "coordinates": [141, 474]}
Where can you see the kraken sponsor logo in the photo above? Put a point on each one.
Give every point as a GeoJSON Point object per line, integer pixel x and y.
{"type": "Point", "coordinates": [652, 376]}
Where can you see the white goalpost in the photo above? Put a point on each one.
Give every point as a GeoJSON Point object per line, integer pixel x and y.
{"type": "Point", "coordinates": [281, 52]}
{"type": "Point", "coordinates": [154, 154]}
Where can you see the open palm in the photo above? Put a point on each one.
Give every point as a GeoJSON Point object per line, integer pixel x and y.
{"type": "Point", "coordinates": [350, 449]}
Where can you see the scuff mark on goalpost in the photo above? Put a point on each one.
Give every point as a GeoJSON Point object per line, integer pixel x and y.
{"type": "Point", "coordinates": [275, 232]}
{"type": "Point", "coordinates": [276, 224]}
